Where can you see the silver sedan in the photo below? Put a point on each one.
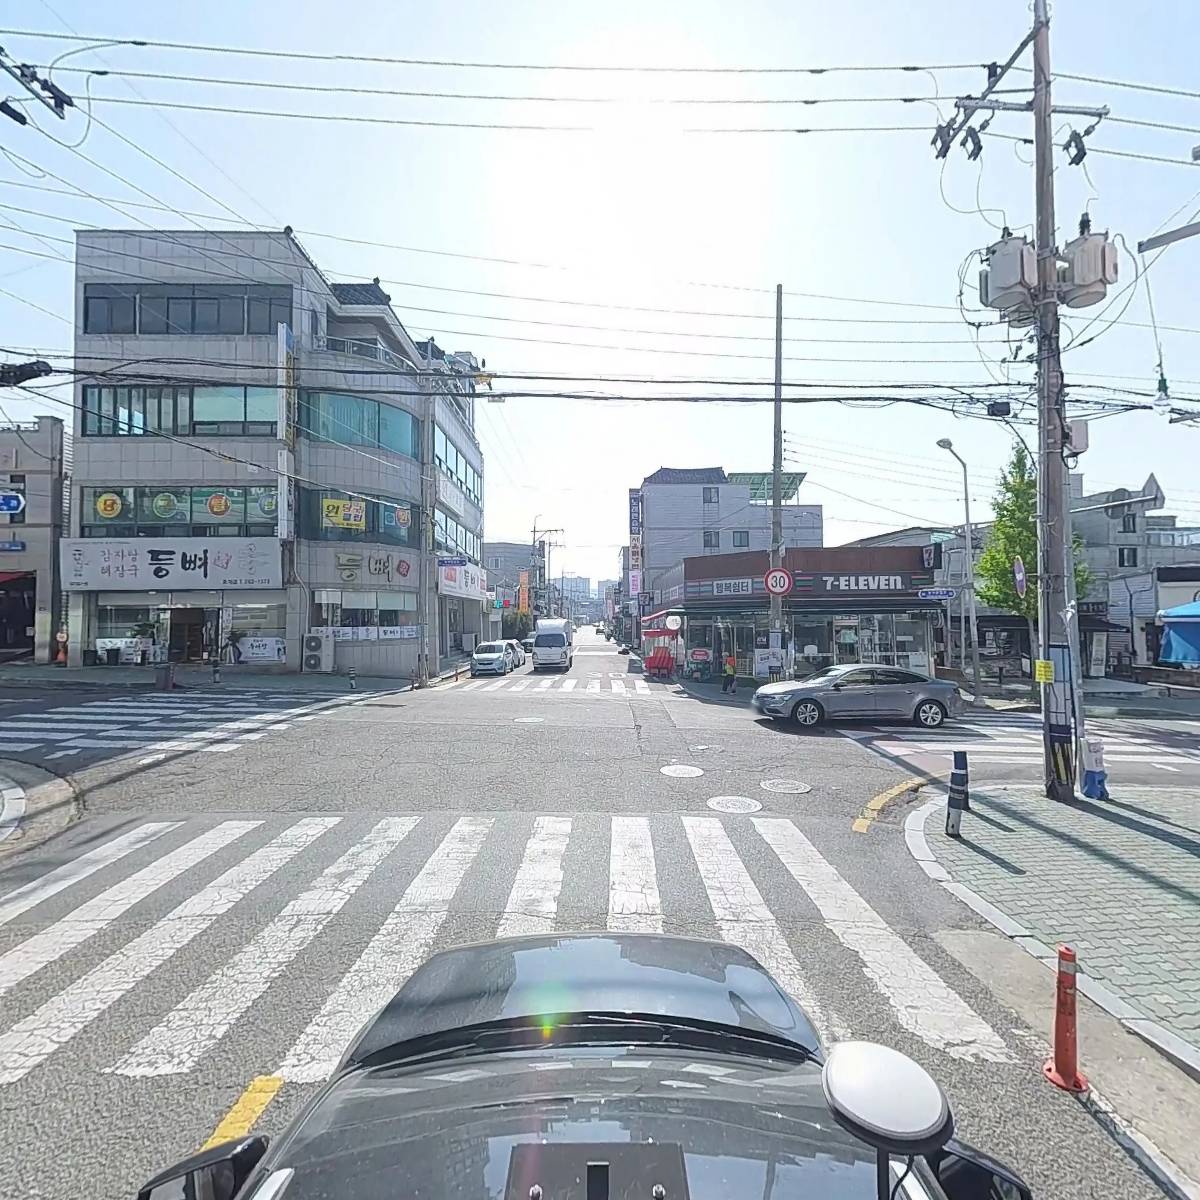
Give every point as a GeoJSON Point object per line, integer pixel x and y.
{"type": "Point", "coordinates": [861, 691]}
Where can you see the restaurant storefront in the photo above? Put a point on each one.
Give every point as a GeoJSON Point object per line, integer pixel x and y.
{"type": "Point", "coordinates": [847, 605]}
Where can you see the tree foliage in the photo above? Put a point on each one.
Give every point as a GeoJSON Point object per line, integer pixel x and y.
{"type": "Point", "coordinates": [1013, 534]}
{"type": "Point", "coordinates": [515, 624]}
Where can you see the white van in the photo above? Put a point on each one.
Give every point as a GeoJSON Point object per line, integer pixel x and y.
{"type": "Point", "coordinates": [553, 644]}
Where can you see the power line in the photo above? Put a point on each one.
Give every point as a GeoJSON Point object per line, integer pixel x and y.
{"type": "Point", "coordinates": [1130, 85]}
{"type": "Point", "coordinates": [309, 55]}
{"type": "Point", "coordinates": [1173, 162]}
{"type": "Point", "coordinates": [514, 126]}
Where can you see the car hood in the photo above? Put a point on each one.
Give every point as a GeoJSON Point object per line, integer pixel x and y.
{"type": "Point", "coordinates": [786, 686]}
{"type": "Point", "coordinates": [531, 977]}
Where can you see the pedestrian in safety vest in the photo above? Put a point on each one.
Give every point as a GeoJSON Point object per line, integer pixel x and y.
{"type": "Point", "coordinates": [729, 675]}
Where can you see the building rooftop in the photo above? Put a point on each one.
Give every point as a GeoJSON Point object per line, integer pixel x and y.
{"type": "Point", "coordinates": [687, 475]}
{"type": "Point", "coordinates": [360, 293]}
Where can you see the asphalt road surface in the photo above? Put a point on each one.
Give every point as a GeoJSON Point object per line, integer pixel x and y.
{"type": "Point", "coordinates": [209, 935]}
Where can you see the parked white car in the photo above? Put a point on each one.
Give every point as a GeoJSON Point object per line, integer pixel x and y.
{"type": "Point", "coordinates": [518, 652]}
{"type": "Point", "coordinates": [492, 658]}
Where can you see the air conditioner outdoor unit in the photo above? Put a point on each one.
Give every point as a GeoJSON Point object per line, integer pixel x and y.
{"type": "Point", "coordinates": [318, 653]}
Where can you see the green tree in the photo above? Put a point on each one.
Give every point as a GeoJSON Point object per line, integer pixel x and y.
{"type": "Point", "coordinates": [1013, 534]}
{"type": "Point", "coordinates": [516, 624]}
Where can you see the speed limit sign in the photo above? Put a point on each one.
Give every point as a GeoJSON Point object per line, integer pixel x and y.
{"type": "Point", "coordinates": [778, 581]}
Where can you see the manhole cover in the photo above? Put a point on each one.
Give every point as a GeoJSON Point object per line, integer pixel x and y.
{"type": "Point", "coordinates": [679, 771]}
{"type": "Point", "coordinates": [702, 747]}
{"type": "Point", "coordinates": [734, 804]}
{"type": "Point", "coordinates": [528, 720]}
{"type": "Point", "coordinates": [792, 786]}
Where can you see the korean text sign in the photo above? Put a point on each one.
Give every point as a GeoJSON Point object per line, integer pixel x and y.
{"type": "Point", "coordinates": [142, 564]}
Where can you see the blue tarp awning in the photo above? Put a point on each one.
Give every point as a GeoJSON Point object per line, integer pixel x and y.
{"type": "Point", "coordinates": [1181, 634]}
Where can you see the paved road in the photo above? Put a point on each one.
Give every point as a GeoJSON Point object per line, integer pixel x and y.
{"type": "Point", "coordinates": [218, 918]}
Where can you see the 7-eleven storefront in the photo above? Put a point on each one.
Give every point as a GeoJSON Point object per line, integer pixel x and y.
{"type": "Point", "coordinates": [847, 605]}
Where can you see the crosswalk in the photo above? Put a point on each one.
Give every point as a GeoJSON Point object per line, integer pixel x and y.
{"type": "Point", "coordinates": [1016, 738]}
{"type": "Point", "coordinates": [205, 721]}
{"type": "Point", "coordinates": [324, 917]}
{"type": "Point", "coordinates": [597, 684]}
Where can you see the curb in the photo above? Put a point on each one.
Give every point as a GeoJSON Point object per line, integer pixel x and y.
{"type": "Point", "coordinates": [12, 806]}
{"type": "Point", "coordinates": [1170, 1045]}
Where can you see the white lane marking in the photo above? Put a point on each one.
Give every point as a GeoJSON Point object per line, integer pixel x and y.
{"type": "Point", "coordinates": [495, 687]}
{"type": "Point", "coordinates": [742, 914]}
{"type": "Point", "coordinates": [545, 685]}
{"type": "Point", "coordinates": [11, 732]}
{"type": "Point", "coordinates": [12, 809]}
{"type": "Point", "coordinates": [593, 685]}
{"type": "Point", "coordinates": [397, 949]}
{"type": "Point", "coordinates": [475, 683]}
{"type": "Point", "coordinates": [32, 1040]}
{"type": "Point", "coordinates": [151, 758]}
{"type": "Point", "coordinates": [199, 1021]}
{"type": "Point", "coordinates": [641, 687]}
{"type": "Point", "coordinates": [533, 902]}
{"type": "Point", "coordinates": [633, 901]}
{"type": "Point", "coordinates": [92, 916]}
{"type": "Point", "coordinates": [20, 747]}
{"type": "Point", "coordinates": [519, 685]}
{"type": "Point", "coordinates": [61, 754]}
{"type": "Point", "coordinates": [31, 894]}
{"type": "Point", "coordinates": [921, 1000]}
{"type": "Point", "coordinates": [618, 686]}
{"type": "Point", "coordinates": [1164, 767]}
{"type": "Point", "coordinates": [569, 685]}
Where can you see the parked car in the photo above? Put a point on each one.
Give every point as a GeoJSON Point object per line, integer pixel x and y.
{"type": "Point", "coordinates": [492, 658]}
{"type": "Point", "coordinates": [527, 643]}
{"type": "Point", "coordinates": [518, 653]}
{"type": "Point", "coordinates": [861, 691]}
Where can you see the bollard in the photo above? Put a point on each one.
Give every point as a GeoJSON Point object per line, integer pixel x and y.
{"type": "Point", "coordinates": [1062, 1068]}
{"type": "Point", "coordinates": [959, 769]}
{"type": "Point", "coordinates": [953, 812]}
{"type": "Point", "coordinates": [216, 668]}
{"type": "Point", "coordinates": [353, 680]}
{"type": "Point", "coordinates": [1095, 777]}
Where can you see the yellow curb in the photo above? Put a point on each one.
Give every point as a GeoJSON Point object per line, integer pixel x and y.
{"type": "Point", "coordinates": [874, 807]}
{"type": "Point", "coordinates": [251, 1105]}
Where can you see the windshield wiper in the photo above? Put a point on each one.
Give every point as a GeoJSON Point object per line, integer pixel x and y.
{"type": "Point", "coordinates": [589, 1028]}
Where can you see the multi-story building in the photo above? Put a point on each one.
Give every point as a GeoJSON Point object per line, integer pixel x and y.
{"type": "Point", "coordinates": [691, 511]}
{"type": "Point", "coordinates": [31, 465]}
{"type": "Point", "coordinates": [261, 453]}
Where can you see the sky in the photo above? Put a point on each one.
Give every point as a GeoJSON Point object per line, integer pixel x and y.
{"type": "Point", "coordinates": [573, 233]}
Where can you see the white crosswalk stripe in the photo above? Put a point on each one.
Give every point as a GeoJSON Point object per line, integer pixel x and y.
{"type": "Point", "coordinates": [205, 722]}
{"type": "Point", "coordinates": [557, 686]}
{"type": "Point", "coordinates": [205, 1016]}
{"type": "Point", "coordinates": [839, 930]}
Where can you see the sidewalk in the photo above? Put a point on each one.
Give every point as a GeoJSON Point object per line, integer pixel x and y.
{"type": "Point", "coordinates": [1119, 881]}
{"type": "Point", "coordinates": [245, 675]}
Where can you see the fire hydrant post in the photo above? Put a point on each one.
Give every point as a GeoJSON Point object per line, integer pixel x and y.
{"type": "Point", "coordinates": [1062, 1068]}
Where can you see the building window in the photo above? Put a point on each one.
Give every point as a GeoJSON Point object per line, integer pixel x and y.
{"type": "Point", "coordinates": [712, 495]}
{"type": "Point", "coordinates": [741, 539]}
{"type": "Point", "coordinates": [453, 463]}
{"type": "Point", "coordinates": [314, 325]}
{"type": "Point", "coordinates": [204, 411]}
{"type": "Point", "coordinates": [164, 510]}
{"type": "Point", "coordinates": [453, 536]}
{"type": "Point", "coordinates": [350, 420]}
{"type": "Point", "coordinates": [1129, 523]}
{"type": "Point", "coordinates": [16, 483]}
{"type": "Point", "coordinates": [182, 309]}
{"type": "Point", "coordinates": [712, 539]}
{"type": "Point", "coordinates": [1127, 556]}
{"type": "Point", "coordinates": [395, 522]}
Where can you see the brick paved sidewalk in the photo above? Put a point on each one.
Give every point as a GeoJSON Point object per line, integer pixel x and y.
{"type": "Point", "coordinates": [1117, 880]}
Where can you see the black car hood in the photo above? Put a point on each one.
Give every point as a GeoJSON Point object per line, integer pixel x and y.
{"type": "Point", "coordinates": [539, 977]}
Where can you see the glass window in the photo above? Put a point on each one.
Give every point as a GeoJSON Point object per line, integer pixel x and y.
{"type": "Point", "coordinates": [162, 505]}
{"type": "Point", "coordinates": [397, 430]}
{"type": "Point", "coordinates": [712, 539]}
{"type": "Point", "coordinates": [741, 539]}
{"type": "Point", "coordinates": [107, 506]}
{"type": "Point", "coordinates": [897, 677]}
{"type": "Point", "coordinates": [16, 483]}
{"type": "Point", "coordinates": [152, 310]}
{"type": "Point", "coordinates": [218, 506]}
{"type": "Point", "coordinates": [220, 310]}
{"type": "Point", "coordinates": [262, 410]}
{"type": "Point", "coordinates": [439, 445]}
{"type": "Point", "coordinates": [711, 495]}
{"type": "Point", "coordinates": [1129, 523]}
{"type": "Point", "coordinates": [179, 314]}
{"type": "Point", "coordinates": [262, 504]}
{"type": "Point", "coordinates": [109, 309]}
{"type": "Point", "coordinates": [1127, 556]}
{"type": "Point", "coordinates": [218, 406]}
{"type": "Point", "coordinates": [91, 411]}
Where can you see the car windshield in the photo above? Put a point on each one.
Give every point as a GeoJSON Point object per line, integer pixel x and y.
{"type": "Point", "coordinates": [550, 639]}
{"type": "Point", "coordinates": [489, 648]}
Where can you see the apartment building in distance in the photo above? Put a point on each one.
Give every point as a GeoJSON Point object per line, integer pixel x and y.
{"type": "Point", "coordinates": [261, 453]}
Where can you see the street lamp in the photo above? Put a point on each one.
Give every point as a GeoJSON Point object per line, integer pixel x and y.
{"type": "Point", "coordinates": [969, 555]}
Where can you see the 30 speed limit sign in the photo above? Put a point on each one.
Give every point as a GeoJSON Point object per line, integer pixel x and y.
{"type": "Point", "coordinates": [778, 581]}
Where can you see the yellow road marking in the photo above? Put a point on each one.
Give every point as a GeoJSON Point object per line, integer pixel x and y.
{"type": "Point", "coordinates": [874, 807]}
{"type": "Point", "coordinates": [251, 1104]}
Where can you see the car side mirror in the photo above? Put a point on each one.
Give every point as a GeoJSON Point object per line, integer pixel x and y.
{"type": "Point", "coordinates": [837, 687]}
{"type": "Point", "coordinates": [215, 1174]}
{"type": "Point", "coordinates": [965, 1173]}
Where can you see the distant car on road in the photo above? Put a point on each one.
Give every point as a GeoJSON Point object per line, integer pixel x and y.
{"type": "Point", "coordinates": [492, 658]}
{"type": "Point", "coordinates": [518, 652]}
{"type": "Point", "coordinates": [527, 643]}
{"type": "Point", "coordinates": [863, 692]}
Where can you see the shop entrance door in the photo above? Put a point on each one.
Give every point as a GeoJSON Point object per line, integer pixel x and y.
{"type": "Point", "coordinates": [190, 635]}
{"type": "Point", "coordinates": [17, 593]}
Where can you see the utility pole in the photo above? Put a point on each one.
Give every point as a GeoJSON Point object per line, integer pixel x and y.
{"type": "Point", "coordinates": [776, 638]}
{"type": "Point", "coordinates": [1054, 554]}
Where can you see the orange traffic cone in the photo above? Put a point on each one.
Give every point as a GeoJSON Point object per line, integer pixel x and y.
{"type": "Point", "coordinates": [61, 657]}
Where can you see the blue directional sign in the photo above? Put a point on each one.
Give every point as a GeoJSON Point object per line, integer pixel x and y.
{"type": "Point", "coordinates": [12, 547]}
{"type": "Point", "coordinates": [937, 594]}
{"type": "Point", "coordinates": [460, 561]}
{"type": "Point", "coordinates": [12, 503]}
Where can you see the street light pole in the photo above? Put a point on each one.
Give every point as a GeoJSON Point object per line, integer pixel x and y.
{"type": "Point", "coordinates": [969, 558]}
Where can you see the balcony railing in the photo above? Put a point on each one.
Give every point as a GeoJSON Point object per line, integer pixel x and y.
{"type": "Point", "coordinates": [365, 348]}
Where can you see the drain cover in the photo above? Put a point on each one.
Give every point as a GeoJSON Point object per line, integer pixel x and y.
{"type": "Point", "coordinates": [792, 786]}
{"type": "Point", "coordinates": [734, 804]}
{"type": "Point", "coordinates": [679, 771]}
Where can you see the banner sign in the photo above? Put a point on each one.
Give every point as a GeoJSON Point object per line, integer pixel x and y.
{"type": "Point", "coordinates": [523, 591]}
{"type": "Point", "coordinates": [635, 512]}
{"type": "Point", "coordinates": [468, 582]}
{"type": "Point", "coordinates": [344, 514]}
{"type": "Point", "coordinates": [169, 564]}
